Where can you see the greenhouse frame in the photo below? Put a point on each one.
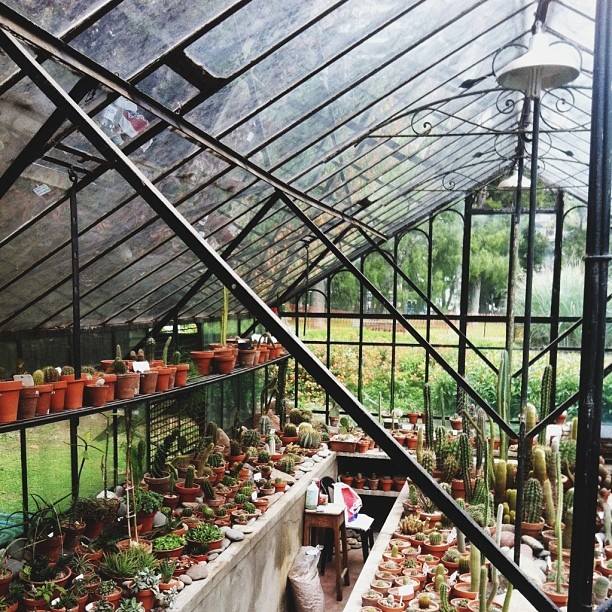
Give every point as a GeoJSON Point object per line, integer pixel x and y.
{"type": "Point", "coordinates": [317, 180]}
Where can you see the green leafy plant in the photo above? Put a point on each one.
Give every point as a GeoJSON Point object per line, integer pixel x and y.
{"type": "Point", "coordinates": [168, 542]}
{"type": "Point", "coordinates": [204, 533]}
{"type": "Point", "coordinates": [148, 502]}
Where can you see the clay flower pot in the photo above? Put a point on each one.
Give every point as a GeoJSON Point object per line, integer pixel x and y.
{"type": "Point", "coordinates": [158, 485]}
{"type": "Point", "coordinates": [96, 394]}
{"type": "Point", "coordinates": [532, 529]}
{"type": "Point", "coordinates": [110, 380]}
{"type": "Point", "coordinates": [411, 442]}
{"type": "Point", "coordinates": [373, 484]}
{"type": "Point", "coordinates": [398, 483]}
{"type": "Point", "coordinates": [413, 418]}
{"type": "Point", "coordinates": [246, 357]}
{"type": "Point", "coordinates": [386, 484]}
{"type": "Point", "coordinates": [145, 521]}
{"type": "Point", "coordinates": [188, 494]}
{"type": "Point", "coordinates": [58, 399]}
{"type": "Point", "coordinates": [560, 599]}
{"type": "Point", "coordinates": [347, 479]}
{"type": "Point", "coordinates": [125, 388]}
{"type": "Point", "coordinates": [363, 446]}
{"type": "Point", "coordinates": [182, 371]}
{"type": "Point", "coordinates": [203, 361]}
{"type": "Point", "coordinates": [28, 401]}
{"type": "Point", "coordinates": [163, 379]}
{"type": "Point", "coordinates": [74, 394]}
{"type": "Point", "coordinates": [263, 353]}
{"type": "Point", "coordinates": [106, 365]}
{"type": "Point", "coordinates": [44, 399]}
{"type": "Point", "coordinates": [358, 483]}
{"type": "Point", "coordinates": [223, 361]}
{"type": "Point", "coordinates": [148, 381]}
{"type": "Point", "coordinates": [462, 590]}
{"type": "Point", "coordinates": [172, 378]}
{"type": "Point", "coordinates": [457, 424]}
{"type": "Point", "coordinates": [9, 400]}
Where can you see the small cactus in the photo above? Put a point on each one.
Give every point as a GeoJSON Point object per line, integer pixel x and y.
{"type": "Point", "coordinates": [532, 501]}
{"type": "Point", "coordinates": [539, 464]}
{"type": "Point", "coordinates": [215, 460]}
{"type": "Point", "coordinates": [264, 425]}
{"type": "Point", "coordinates": [464, 564]}
{"type": "Point", "coordinates": [150, 349]}
{"type": "Point", "coordinates": [165, 349]}
{"type": "Point", "coordinates": [50, 374]}
{"type": "Point", "coordinates": [208, 491]}
{"type": "Point", "coordinates": [176, 358]}
{"type": "Point", "coordinates": [67, 370]}
{"type": "Point", "coordinates": [501, 473]}
{"type": "Point", "coordinates": [250, 437]}
{"type": "Point", "coordinates": [435, 538]}
{"type": "Point", "coordinates": [601, 586]}
{"type": "Point", "coordinates": [450, 467]}
{"type": "Point", "coordinates": [428, 460]}
{"type": "Point", "coordinates": [119, 366]}
{"type": "Point", "coordinates": [546, 399]}
{"type": "Point", "coordinates": [290, 430]}
{"type": "Point", "coordinates": [38, 376]}
{"type": "Point", "coordinates": [189, 477]}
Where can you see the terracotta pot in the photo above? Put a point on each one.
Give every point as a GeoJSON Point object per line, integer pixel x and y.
{"type": "Point", "coordinates": [93, 529]}
{"type": "Point", "coordinates": [44, 399]}
{"type": "Point", "coordinates": [182, 371]}
{"type": "Point", "coordinates": [67, 377]}
{"type": "Point", "coordinates": [398, 483]}
{"type": "Point", "coordinates": [457, 424]}
{"type": "Point", "coordinates": [373, 484]}
{"type": "Point", "coordinates": [363, 446]}
{"type": "Point", "coordinates": [148, 381]}
{"type": "Point", "coordinates": [347, 480]}
{"type": "Point", "coordinates": [459, 608]}
{"type": "Point", "coordinates": [125, 387]}
{"type": "Point", "coordinates": [263, 353]}
{"type": "Point", "coordinates": [386, 484]}
{"type": "Point", "coordinates": [247, 357]}
{"type": "Point", "coordinates": [188, 494]}
{"type": "Point", "coordinates": [114, 598]}
{"type": "Point", "coordinates": [51, 548]}
{"type": "Point", "coordinates": [28, 401]}
{"type": "Point", "coordinates": [163, 379]}
{"type": "Point", "coordinates": [223, 362]}
{"type": "Point", "coordinates": [413, 418]}
{"type": "Point", "coordinates": [74, 394]}
{"type": "Point", "coordinates": [83, 602]}
{"type": "Point", "coordinates": [172, 369]}
{"type": "Point", "coordinates": [146, 521]}
{"type": "Point", "coordinates": [203, 361]}
{"type": "Point", "coordinates": [411, 442]}
{"type": "Point", "coordinates": [72, 532]}
{"type": "Point", "coordinates": [159, 485]}
{"type": "Point", "coordinates": [5, 582]}
{"type": "Point", "coordinates": [462, 590]}
{"type": "Point", "coordinates": [358, 483]}
{"type": "Point", "coordinates": [171, 500]}
{"type": "Point", "coordinates": [58, 399]}
{"type": "Point", "coordinates": [532, 529]}
{"type": "Point", "coordinates": [169, 554]}
{"type": "Point", "coordinates": [110, 380]}
{"type": "Point", "coordinates": [560, 599]}
{"type": "Point", "coordinates": [106, 365]}
{"type": "Point", "coordinates": [280, 487]}
{"type": "Point", "coordinates": [458, 488]}
{"type": "Point", "coordinates": [96, 394]}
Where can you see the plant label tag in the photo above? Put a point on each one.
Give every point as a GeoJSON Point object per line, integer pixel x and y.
{"type": "Point", "coordinates": [455, 432]}
{"type": "Point", "coordinates": [425, 568]}
{"type": "Point", "coordinates": [41, 190]}
{"type": "Point", "coordinates": [140, 366]}
{"type": "Point", "coordinates": [548, 563]}
{"type": "Point", "coordinates": [452, 535]}
{"type": "Point", "coordinates": [253, 496]}
{"type": "Point", "coordinates": [55, 601]}
{"type": "Point", "coordinates": [453, 577]}
{"type": "Point", "coordinates": [406, 590]}
{"type": "Point", "coordinates": [257, 476]}
{"type": "Point", "coordinates": [418, 549]}
{"type": "Point", "coordinates": [80, 577]}
{"type": "Point", "coordinates": [50, 535]}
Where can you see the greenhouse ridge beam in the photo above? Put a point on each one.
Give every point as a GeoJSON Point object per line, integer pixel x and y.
{"type": "Point", "coordinates": [459, 379]}
{"type": "Point", "coordinates": [38, 37]}
{"type": "Point", "coordinates": [264, 314]}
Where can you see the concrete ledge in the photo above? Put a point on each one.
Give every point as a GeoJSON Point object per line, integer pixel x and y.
{"type": "Point", "coordinates": [369, 569]}
{"type": "Point", "coordinates": [252, 574]}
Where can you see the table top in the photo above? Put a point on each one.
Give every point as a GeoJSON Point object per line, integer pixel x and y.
{"type": "Point", "coordinates": [333, 509]}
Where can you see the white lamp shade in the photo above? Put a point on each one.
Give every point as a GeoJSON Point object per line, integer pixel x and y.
{"type": "Point", "coordinates": [544, 66]}
{"type": "Point", "coordinates": [511, 182]}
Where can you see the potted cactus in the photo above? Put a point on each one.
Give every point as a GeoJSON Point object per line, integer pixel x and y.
{"type": "Point", "coordinates": [75, 389]}
{"type": "Point", "coordinates": [28, 402]}
{"type": "Point", "coordinates": [148, 378]}
{"type": "Point", "coordinates": [125, 384]}
{"type": "Point", "coordinates": [45, 391]}
{"type": "Point", "coordinates": [188, 490]}
{"type": "Point", "coordinates": [182, 370]}
{"type": "Point", "coordinates": [147, 504]}
{"type": "Point", "coordinates": [96, 392]}
{"type": "Point", "coordinates": [532, 521]}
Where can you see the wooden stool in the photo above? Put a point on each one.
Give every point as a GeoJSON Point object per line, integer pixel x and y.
{"type": "Point", "coordinates": [331, 518]}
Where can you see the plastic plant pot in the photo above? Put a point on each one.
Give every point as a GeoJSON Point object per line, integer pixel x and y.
{"type": "Point", "coordinates": [58, 399]}
{"type": "Point", "coordinates": [44, 399]}
{"type": "Point", "coordinates": [28, 401]}
{"type": "Point", "coordinates": [74, 394]}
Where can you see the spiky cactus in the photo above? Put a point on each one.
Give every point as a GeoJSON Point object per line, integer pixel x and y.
{"type": "Point", "coordinates": [419, 448]}
{"type": "Point", "coordinates": [435, 538]}
{"type": "Point", "coordinates": [428, 461]}
{"type": "Point", "coordinates": [501, 474]}
{"type": "Point", "coordinates": [464, 564]}
{"type": "Point", "coordinates": [215, 460]}
{"type": "Point", "coordinates": [51, 375]}
{"type": "Point", "coordinates": [286, 464]}
{"type": "Point", "coordinates": [601, 586]}
{"type": "Point", "coordinates": [290, 430]}
{"type": "Point", "coordinates": [176, 358]}
{"type": "Point", "coordinates": [539, 464]}
{"type": "Point", "coordinates": [450, 467]}
{"type": "Point", "coordinates": [531, 417]}
{"type": "Point", "coordinates": [444, 603]}
{"type": "Point", "coordinates": [558, 519]}
{"type": "Point", "coordinates": [207, 490]}
{"type": "Point", "coordinates": [465, 463]}
{"type": "Point", "coordinates": [474, 569]}
{"type": "Point", "coordinates": [546, 399]}
{"type": "Point", "coordinates": [549, 503]}
{"type": "Point", "coordinates": [150, 349]}
{"type": "Point", "coordinates": [189, 477]}
{"type": "Point", "coordinates": [428, 416]}
{"type": "Point", "coordinates": [250, 437]}
{"type": "Point", "coordinates": [532, 501]}
{"type": "Point", "coordinates": [38, 377]}
{"type": "Point", "coordinates": [264, 425]}
{"type": "Point", "coordinates": [119, 366]}
{"type": "Point", "coordinates": [480, 439]}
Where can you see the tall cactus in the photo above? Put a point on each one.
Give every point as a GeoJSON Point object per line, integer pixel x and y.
{"type": "Point", "coordinates": [532, 501]}
{"type": "Point", "coordinates": [474, 569]}
{"type": "Point", "coordinates": [494, 574]}
{"type": "Point", "coordinates": [503, 400]}
{"type": "Point", "coordinates": [480, 439]}
{"type": "Point", "coordinates": [150, 349]}
{"type": "Point", "coordinates": [558, 519]}
{"type": "Point", "coordinates": [465, 462]}
{"type": "Point", "coordinates": [428, 416]}
{"type": "Point", "coordinates": [546, 399]}
{"type": "Point", "coordinates": [419, 448]}
{"type": "Point", "coordinates": [501, 473]}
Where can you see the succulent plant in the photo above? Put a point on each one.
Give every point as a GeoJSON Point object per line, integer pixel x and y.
{"type": "Point", "coordinates": [286, 464]}
{"type": "Point", "coordinates": [450, 467]}
{"type": "Point", "coordinates": [464, 564]}
{"type": "Point", "coordinates": [435, 538]}
{"type": "Point", "coordinates": [428, 416]}
{"type": "Point", "coordinates": [150, 349]}
{"type": "Point", "coordinates": [38, 377]}
{"type": "Point", "coordinates": [290, 430]}
{"type": "Point", "coordinates": [531, 416]}
{"type": "Point", "coordinates": [50, 374]}
{"type": "Point", "coordinates": [241, 498]}
{"type": "Point", "coordinates": [265, 425]}
{"type": "Point", "coordinates": [428, 460]}
{"type": "Point", "coordinates": [250, 437]}
{"type": "Point", "coordinates": [425, 601]}
{"type": "Point", "coordinates": [546, 399]}
{"type": "Point", "coordinates": [601, 586]}
{"type": "Point", "coordinates": [119, 366]}
{"type": "Point", "coordinates": [189, 477]}
{"type": "Point", "coordinates": [465, 463]}
{"type": "Point", "coordinates": [207, 490]}
{"type": "Point", "coordinates": [532, 501]}
{"type": "Point", "coordinates": [310, 439]}
{"type": "Point", "coordinates": [67, 370]}
{"type": "Point", "coordinates": [215, 460]}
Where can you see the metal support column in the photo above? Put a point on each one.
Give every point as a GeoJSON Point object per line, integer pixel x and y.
{"type": "Point", "coordinates": [361, 322]}
{"type": "Point", "coordinates": [429, 281]}
{"type": "Point", "coordinates": [328, 338]}
{"type": "Point", "coordinates": [533, 204]}
{"type": "Point", "coordinates": [394, 323]}
{"type": "Point", "coordinates": [226, 275]}
{"type": "Point", "coordinates": [594, 311]}
{"type": "Point", "coordinates": [556, 291]}
{"type": "Point", "coordinates": [464, 300]}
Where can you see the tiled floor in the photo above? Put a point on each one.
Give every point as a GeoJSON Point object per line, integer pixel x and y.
{"type": "Point", "coordinates": [328, 580]}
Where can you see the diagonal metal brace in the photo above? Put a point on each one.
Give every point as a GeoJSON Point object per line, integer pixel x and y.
{"type": "Point", "coordinates": [398, 316]}
{"type": "Point", "coordinates": [198, 245]}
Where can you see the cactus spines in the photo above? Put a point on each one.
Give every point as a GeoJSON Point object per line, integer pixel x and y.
{"type": "Point", "coordinates": [482, 589]}
{"type": "Point", "coordinates": [150, 349]}
{"type": "Point", "coordinates": [189, 477]}
{"type": "Point", "coordinates": [119, 366]}
{"type": "Point", "coordinates": [165, 349]}
{"type": "Point", "coordinates": [531, 417]}
{"type": "Point", "coordinates": [428, 416]}
{"type": "Point", "coordinates": [480, 440]}
{"type": "Point", "coordinates": [539, 464]}
{"type": "Point", "coordinates": [465, 463]}
{"type": "Point", "coordinates": [501, 474]}
{"type": "Point", "coordinates": [264, 425]}
{"type": "Point", "coordinates": [546, 399]}
{"type": "Point", "coordinates": [290, 430]}
{"type": "Point", "coordinates": [428, 460]}
{"type": "Point", "coordinates": [558, 518]}
{"type": "Point", "coordinates": [215, 460]}
{"type": "Point", "coordinates": [474, 569]}
{"type": "Point", "coordinates": [444, 603]}
{"type": "Point", "coordinates": [176, 358]}
{"type": "Point", "coordinates": [574, 431]}
{"type": "Point", "coordinates": [38, 377]}
{"type": "Point", "coordinates": [441, 446]}
{"type": "Point", "coordinates": [532, 501]}
{"type": "Point", "coordinates": [419, 448]}
{"type": "Point", "coordinates": [549, 503]}
{"type": "Point", "coordinates": [250, 437]}
{"type": "Point", "coordinates": [207, 490]}
{"type": "Point", "coordinates": [286, 464]}
{"type": "Point", "coordinates": [450, 467]}
{"type": "Point", "coordinates": [50, 374]}
{"type": "Point", "coordinates": [435, 538]}
{"type": "Point", "coordinates": [511, 497]}
{"type": "Point", "coordinates": [510, 475]}
{"type": "Point", "coordinates": [464, 564]}
{"type": "Point", "coordinates": [601, 586]}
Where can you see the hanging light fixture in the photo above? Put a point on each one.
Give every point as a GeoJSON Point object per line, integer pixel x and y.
{"type": "Point", "coordinates": [511, 182]}
{"type": "Point", "coordinates": [546, 65]}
